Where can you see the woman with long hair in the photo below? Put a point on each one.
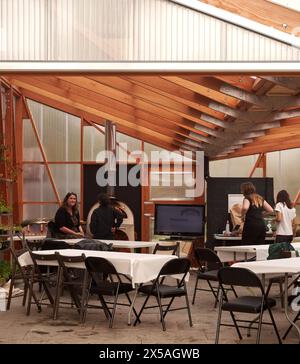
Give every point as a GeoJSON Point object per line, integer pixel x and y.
{"type": "Point", "coordinates": [67, 219]}
{"type": "Point", "coordinates": [254, 231]}
{"type": "Point", "coordinates": [285, 217]}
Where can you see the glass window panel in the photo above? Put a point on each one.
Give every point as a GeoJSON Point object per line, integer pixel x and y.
{"type": "Point", "coordinates": [170, 185]}
{"type": "Point", "coordinates": [235, 167]}
{"type": "Point", "coordinates": [36, 183]}
{"type": "Point", "coordinates": [281, 166]}
{"type": "Point", "coordinates": [59, 132]}
{"type": "Point", "coordinates": [31, 150]}
{"type": "Point", "coordinates": [148, 148]}
{"type": "Point", "coordinates": [39, 211]}
{"type": "Point", "coordinates": [36, 110]}
{"type": "Point", "coordinates": [93, 143]}
{"type": "Point", "coordinates": [66, 178]}
{"type": "Point", "coordinates": [129, 144]}
{"type": "Point", "coordinates": [174, 155]}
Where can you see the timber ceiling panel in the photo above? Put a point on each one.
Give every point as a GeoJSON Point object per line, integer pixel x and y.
{"type": "Point", "coordinates": [225, 116]}
{"type": "Point", "coordinates": [262, 11]}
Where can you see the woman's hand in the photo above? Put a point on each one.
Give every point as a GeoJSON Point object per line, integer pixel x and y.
{"type": "Point", "coordinates": [79, 234]}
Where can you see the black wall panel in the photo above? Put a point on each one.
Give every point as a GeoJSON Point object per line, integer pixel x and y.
{"type": "Point", "coordinates": [130, 195]}
{"type": "Point", "coordinates": [217, 200]}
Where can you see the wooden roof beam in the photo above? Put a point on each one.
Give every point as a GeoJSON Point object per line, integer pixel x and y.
{"type": "Point", "coordinates": [94, 111]}
{"type": "Point", "coordinates": [134, 88]}
{"type": "Point", "coordinates": [160, 125]}
{"type": "Point", "coordinates": [164, 87]}
{"type": "Point", "coordinates": [241, 82]}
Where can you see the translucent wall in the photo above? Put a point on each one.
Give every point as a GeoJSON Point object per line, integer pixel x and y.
{"type": "Point", "coordinates": [127, 30]}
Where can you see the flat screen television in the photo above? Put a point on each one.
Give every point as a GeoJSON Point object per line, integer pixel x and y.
{"type": "Point", "coordinates": [179, 220]}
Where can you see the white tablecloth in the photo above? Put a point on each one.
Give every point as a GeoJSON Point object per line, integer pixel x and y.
{"type": "Point", "coordinates": [274, 266]}
{"type": "Point", "coordinates": [141, 268]}
{"type": "Point", "coordinates": [245, 252]}
{"type": "Point", "coordinates": [115, 243]}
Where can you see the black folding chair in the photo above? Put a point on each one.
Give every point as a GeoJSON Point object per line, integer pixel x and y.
{"type": "Point", "coordinates": [244, 304]}
{"type": "Point", "coordinates": [204, 258]}
{"type": "Point", "coordinates": [99, 269]}
{"type": "Point", "coordinates": [160, 291]}
{"type": "Point", "coordinates": [44, 279]}
{"type": "Point", "coordinates": [68, 278]}
{"type": "Point", "coordinates": [26, 275]}
{"type": "Point", "coordinates": [174, 248]}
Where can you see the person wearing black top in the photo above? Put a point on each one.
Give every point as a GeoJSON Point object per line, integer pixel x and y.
{"type": "Point", "coordinates": [105, 219]}
{"type": "Point", "coordinates": [67, 219]}
{"type": "Point", "coordinates": [254, 231]}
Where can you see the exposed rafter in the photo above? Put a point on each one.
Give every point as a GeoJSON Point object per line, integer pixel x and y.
{"type": "Point", "coordinates": [222, 115]}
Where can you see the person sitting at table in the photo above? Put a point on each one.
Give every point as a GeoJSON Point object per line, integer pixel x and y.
{"type": "Point", "coordinates": [254, 231]}
{"type": "Point", "coordinates": [67, 219]}
{"type": "Point", "coordinates": [105, 219]}
{"type": "Point", "coordinates": [285, 217]}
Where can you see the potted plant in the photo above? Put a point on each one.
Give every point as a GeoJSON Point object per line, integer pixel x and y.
{"type": "Point", "coordinates": [4, 229]}
{"type": "Point", "coordinates": [4, 209]}
{"type": "Point", "coordinates": [17, 229]}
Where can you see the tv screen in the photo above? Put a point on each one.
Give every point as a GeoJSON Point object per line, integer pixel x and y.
{"type": "Point", "coordinates": [179, 220]}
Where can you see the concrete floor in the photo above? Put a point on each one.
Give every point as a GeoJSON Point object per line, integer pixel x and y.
{"type": "Point", "coordinates": [16, 327]}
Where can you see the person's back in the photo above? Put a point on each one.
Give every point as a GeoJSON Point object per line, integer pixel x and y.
{"type": "Point", "coordinates": [285, 217]}
{"type": "Point", "coordinates": [255, 211]}
{"type": "Point", "coordinates": [254, 205]}
{"type": "Point", "coordinates": [105, 219]}
{"type": "Point", "coordinates": [102, 221]}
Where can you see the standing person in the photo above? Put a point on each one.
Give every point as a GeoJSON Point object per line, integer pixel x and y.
{"type": "Point", "coordinates": [105, 219]}
{"type": "Point", "coordinates": [285, 217]}
{"type": "Point", "coordinates": [254, 231]}
{"type": "Point", "coordinates": [67, 219]}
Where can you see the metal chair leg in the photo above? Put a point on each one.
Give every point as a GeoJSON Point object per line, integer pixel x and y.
{"type": "Point", "coordinates": [195, 290]}
{"type": "Point", "coordinates": [161, 311]}
{"type": "Point", "coordinates": [274, 325]}
{"type": "Point", "coordinates": [219, 319]}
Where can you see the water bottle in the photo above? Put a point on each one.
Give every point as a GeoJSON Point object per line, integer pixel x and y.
{"type": "Point", "coordinates": [227, 228]}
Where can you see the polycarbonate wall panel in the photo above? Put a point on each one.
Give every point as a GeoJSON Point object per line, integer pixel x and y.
{"type": "Point", "coordinates": [39, 211]}
{"type": "Point", "coordinates": [66, 178]}
{"type": "Point", "coordinates": [93, 143]}
{"type": "Point", "coordinates": [24, 29]}
{"type": "Point", "coordinates": [235, 167]}
{"type": "Point", "coordinates": [31, 150]}
{"type": "Point", "coordinates": [59, 132]}
{"type": "Point", "coordinates": [129, 144]}
{"type": "Point", "coordinates": [282, 166]}
{"type": "Point", "coordinates": [126, 30]}
{"type": "Point", "coordinates": [36, 183]}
